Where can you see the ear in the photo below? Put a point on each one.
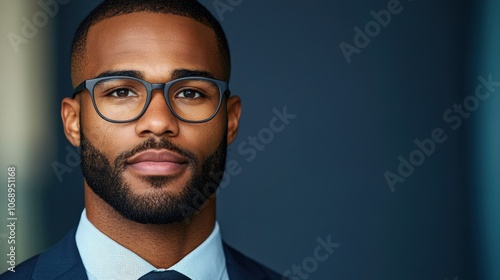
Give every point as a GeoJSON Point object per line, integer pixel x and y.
{"type": "Point", "coordinates": [233, 117]}
{"type": "Point", "coordinates": [70, 114]}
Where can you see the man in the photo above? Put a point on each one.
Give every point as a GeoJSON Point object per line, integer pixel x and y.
{"type": "Point", "coordinates": [152, 114]}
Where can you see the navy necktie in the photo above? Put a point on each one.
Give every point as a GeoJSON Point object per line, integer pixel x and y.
{"type": "Point", "coordinates": [165, 275]}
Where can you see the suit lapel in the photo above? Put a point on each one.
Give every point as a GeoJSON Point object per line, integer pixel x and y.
{"type": "Point", "coordinates": [61, 261]}
{"type": "Point", "coordinates": [239, 267]}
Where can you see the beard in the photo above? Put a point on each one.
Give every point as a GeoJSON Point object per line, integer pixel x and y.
{"type": "Point", "coordinates": [156, 206]}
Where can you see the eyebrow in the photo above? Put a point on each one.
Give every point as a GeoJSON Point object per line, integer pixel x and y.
{"type": "Point", "coordinates": [127, 73]}
{"type": "Point", "coordinates": [176, 74]}
{"type": "Point", "coordinates": [183, 73]}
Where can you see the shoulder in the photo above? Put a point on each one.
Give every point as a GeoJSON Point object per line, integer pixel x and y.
{"type": "Point", "coordinates": [22, 271]}
{"type": "Point", "coordinates": [240, 266]}
{"type": "Point", "coordinates": [62, 261]}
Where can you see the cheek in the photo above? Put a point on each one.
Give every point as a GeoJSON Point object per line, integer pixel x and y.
{"type": "Point", "coordinates": [203, 139]}
{"type": "Point", "coordinates": [108, 138]}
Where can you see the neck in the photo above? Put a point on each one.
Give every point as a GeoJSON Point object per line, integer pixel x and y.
{"type": "Point", "coordinates": [160, 245]}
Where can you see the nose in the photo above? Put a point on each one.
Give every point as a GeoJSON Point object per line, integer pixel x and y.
{"type": "Point", "coordinates": [158, 120]}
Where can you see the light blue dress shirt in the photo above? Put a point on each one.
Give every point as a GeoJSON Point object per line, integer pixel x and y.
{"type": "Point", "coordinates": [105, 259]}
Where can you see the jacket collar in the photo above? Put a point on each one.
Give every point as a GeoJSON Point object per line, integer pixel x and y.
{"type": "Point", "coordinates": [240, 267]}
{"type": "Point", "coordinates": [61, 261]}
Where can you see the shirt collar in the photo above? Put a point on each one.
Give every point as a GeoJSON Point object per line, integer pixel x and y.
{"type": "Point", "coordinates": [104, 258]}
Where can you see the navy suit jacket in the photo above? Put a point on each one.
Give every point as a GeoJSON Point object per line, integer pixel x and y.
{"type": "Point", "coordinates": [63, 262]}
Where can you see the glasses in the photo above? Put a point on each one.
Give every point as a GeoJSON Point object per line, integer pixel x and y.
{"type": "Point", "coordinates": [122, 99]}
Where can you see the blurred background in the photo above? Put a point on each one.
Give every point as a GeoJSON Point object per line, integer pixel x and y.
{"type": "Point", "coordinates": [391, 154]}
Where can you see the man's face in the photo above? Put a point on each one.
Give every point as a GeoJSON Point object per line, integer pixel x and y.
{"type": "Point", "coordinates": [151, 170]}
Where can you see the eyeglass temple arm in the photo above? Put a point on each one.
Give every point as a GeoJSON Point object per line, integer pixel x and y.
{"type": "Point", "coordinates": [79, 88]}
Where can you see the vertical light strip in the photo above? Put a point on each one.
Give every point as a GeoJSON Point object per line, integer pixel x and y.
{"type": "Point", "coordinates": [27, 133]}
{"type": "Point", "coordinates": [487, 142]}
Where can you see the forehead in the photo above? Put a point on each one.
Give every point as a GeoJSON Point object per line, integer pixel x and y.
{"type": "Point", "coordinates": [152, 43]}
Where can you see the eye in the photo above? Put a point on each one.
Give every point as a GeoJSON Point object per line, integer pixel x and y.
{"type": "Point", "coordinates": [123, 92]}
{"type": "Point", "coordinates": [189, 93]}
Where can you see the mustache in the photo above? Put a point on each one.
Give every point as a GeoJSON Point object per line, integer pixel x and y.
{"type": "Point", "coordinates": [151, 143]}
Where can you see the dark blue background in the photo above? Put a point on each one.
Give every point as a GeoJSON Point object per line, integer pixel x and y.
{"type": "Point", "coordinates": [323, 175]}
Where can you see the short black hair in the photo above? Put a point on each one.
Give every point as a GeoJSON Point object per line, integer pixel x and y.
{"type": "Point", "coordinates": [187, 8]}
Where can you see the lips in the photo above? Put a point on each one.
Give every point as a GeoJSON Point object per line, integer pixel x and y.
{"type": "Point", "coordinates": [157, 163]}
